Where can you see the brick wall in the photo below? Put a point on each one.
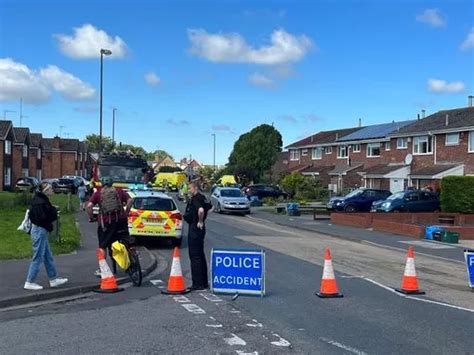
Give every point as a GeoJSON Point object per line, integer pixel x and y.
{"type": "Point", "coordinates": [410, 230]}
{"type": "Point", "coordinates": [456, 153]}
{"type": "Point", "coordinates": [17, 161]}
{"type": "Point", "coordinates": [52, 165]}
{"type": "Point", "coordinates": [68, 163]}
{"type": "Point", "coordinates": [32, 161]}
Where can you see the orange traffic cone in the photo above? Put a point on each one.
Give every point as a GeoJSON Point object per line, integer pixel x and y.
{"type": "Point", "coordinates": [176, 284]}
{"type": "Point", "coordinates": [410, 280]}
{"type": "Point", "coordinates": [328, 281]}
{"type": "Point", "coordinates": [108, 283]}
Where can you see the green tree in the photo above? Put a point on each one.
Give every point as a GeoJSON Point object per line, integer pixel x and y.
{"type": "Point", "coordinates": [92, 141]}
{"type": "Point", "coordinates": [134, 149]}
{"type": "Point", "coordinates": [255, 152]}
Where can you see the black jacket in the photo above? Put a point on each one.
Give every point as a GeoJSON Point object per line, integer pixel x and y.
{"type": "Point", "coordinates": [42, 213]}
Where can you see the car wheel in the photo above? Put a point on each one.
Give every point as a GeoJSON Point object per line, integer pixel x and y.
{"type": "Point", "coordinates": [218, 208]}
{"type": "Point", "coordinates": [350, 208]}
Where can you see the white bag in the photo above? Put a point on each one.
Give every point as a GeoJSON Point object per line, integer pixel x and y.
{"type": "Point", "coordinates": [25, 226]}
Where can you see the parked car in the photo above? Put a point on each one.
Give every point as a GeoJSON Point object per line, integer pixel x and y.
{"type": "Point", "coordinates": [79, 178]}
{"type": "Point", "coordinates": [65, 186]}
{"type": "Point", "coordinates": [408, 201]}
{"type": "Point", "coordinates": [264, 190]}
{"type": "Point", "coordinates": [28, 184]}
{"type": "Point", "coordinates": [49, 181]}
{"type": "Point", "coordinates": [359, 200]}
{"type": "Point", "coordinates": [230, 199]}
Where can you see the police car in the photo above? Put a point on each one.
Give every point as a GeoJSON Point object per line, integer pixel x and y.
{"type": "Point", "coordinates": [154, 215]}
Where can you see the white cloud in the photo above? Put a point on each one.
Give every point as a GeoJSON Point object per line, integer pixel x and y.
{"type": "Point", "coordinates": [261, 80]}
{"type": "Point", "coordinates": [87, 42]}
{"type": "Point", "coordinates": [68, 85]}
{"type": "Point", "coordinates": [469, 41]}
{"type": "Point", "coordinates": [442, 86]}
{"type": "Point", "coordinates": [232, 47]}
{"type": "Point", "coordinates": [180, 123]}
{"type": "Point", "coordinates": [312, 117]}
{"type": "Point", "coordinates": [288, 118]}
{"type": "Point", "coordinates": [19, 81]}
{"type": "Point", "coordinates": [152, 79]}
{"type": "Point", "coordinates": [432, 17]}
{"type": "Point", "coordinates": [221, 128]}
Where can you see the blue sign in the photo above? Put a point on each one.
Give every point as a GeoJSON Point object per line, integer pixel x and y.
{"type": "Point", "coordinates": [469, 256]}
{"type": "Point", "coordinates": [238, 271]}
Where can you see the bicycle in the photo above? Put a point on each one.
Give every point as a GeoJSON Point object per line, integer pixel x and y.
{"type": "Point", "coordinates": [134, 271]}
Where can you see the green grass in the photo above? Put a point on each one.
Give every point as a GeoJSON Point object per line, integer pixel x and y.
{"type": "Point", "coordinates": [17, 245]}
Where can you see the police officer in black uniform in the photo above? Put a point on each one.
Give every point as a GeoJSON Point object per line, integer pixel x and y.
{"type": "Point", "coordinates": [196, 213]}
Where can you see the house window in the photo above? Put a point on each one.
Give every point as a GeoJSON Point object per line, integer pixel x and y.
{"type": "Point", "coordinates": [328, 150]}
{"type": "Point", "coordinates": [25, 151]}
{"type": "Point", "coordinates": [38, 154]}
{"type": "Point", "coordinates": [373, 150]}
{"type": "Point", "coordinates": [422, 145]}
{"type": "Point", "coordinates": [39, 174]}
{"type": "Point", "coordinates": [8, 147]}
{"type": "Point", "coordinates": [471, 142]}
{"type": "Point", "coordinates": [294, 154]}
{"type": "Point", "coordinates": [342, 151]}
{"type": "Point", "coordinates": [388, 145]}
{"type": "Point", "coordinates": [402, 143]}
{"type": "Point", "coordinates": [304, 152]}
{"type": "Point", "coordinates": [7, 176]}
{"type": "Point", "coordinates": [317, 153]}
{"type": "Point", "coordinates": [452, 139]}
{"type": "Point", "coordinates": [24, 171]}
{"type": "Point", "coordinates": [356, 148]}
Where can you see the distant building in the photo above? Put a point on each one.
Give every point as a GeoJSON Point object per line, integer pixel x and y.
{"type": "Point", "coordinates": [7, 137]}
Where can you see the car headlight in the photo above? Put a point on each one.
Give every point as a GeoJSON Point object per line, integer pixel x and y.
{"type": "Point", "coordinates": [225, 202]}
{"type": "Point", "coordinates": [338, 203]}
{"type": "Point", "coordinates": [386, 205]}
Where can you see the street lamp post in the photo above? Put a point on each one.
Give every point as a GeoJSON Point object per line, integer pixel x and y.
{"type": "Point", "coordinates": [102, 53]}
{"type": "Point", "coordinates": [113, 125]}
{"type": "Point", "coordinates": [214, 159]}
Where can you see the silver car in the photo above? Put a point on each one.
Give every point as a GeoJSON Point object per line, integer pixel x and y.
{"type": "Point", "coordinates": [231, 200]}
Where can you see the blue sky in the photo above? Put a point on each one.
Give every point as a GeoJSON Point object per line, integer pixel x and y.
{"type": "Point", "coordinates": [225, 67]}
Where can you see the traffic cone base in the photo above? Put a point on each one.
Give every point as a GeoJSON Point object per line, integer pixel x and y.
{"type": "Point", "coordinates": [176, 285]}
{"type": "Point", "coordinates": [328, 282]}
{"type": "Point", "coordinates": [410, 279]}
{"type": "Point", "coordinates": [108, 282]}
{"type": "Point", "coordinates": [406, 292]}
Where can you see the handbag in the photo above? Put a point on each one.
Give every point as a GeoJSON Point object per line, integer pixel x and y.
{"type": "Point", "coordinates": [25, 226]}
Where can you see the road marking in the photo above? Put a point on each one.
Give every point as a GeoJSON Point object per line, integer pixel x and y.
{"type": "Point", "coordinates": [342, 346]}
{"type": "Point", "coordinates": [280, 341]}
{"type": "Point", "coordinates": [210, 297]}
{"type": "Point", "coordinates": [427, 245]}
{"type": "Point", "coordinates": [244, 353]}
{"type": "Point", "coordinates": [181, 299]}
{"type": "Point", "coordinates": [416, 298]}
{"type": "Point", "coordinates": [235, 340]}
{"type": "Point", "coordinates": [214, 325]}
{"type": "Point", "coordinates": [156, 282]}
{"type": "Point", "coordinates": [256, 324]}
{"type": "Point", "coordinates": [193, 308]}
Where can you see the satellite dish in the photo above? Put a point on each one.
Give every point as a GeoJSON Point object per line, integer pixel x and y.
{"type": "Point", "coordinates": [408, 159]}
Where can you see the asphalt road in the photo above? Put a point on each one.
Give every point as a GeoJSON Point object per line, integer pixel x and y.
{"type": "Point", "coordinates": [290, 319]}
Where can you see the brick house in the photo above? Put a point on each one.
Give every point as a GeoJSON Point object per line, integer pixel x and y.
{"type": "Point", "coordinates": [35, 162]}
{"type": "Point", "coordinates": [61, 157]}
{"type": "Point", "coordinates": [392, 155]}
{"type": "Point", "coordinates": [21, 149]}
{"type": "Point", "coordinates": [83, 161]}
{"type": "Point", "coordinates": [7, 137]}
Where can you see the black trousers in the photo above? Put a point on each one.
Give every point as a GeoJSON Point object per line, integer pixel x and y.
{"type": "Point", "coordinates": [197, 256]}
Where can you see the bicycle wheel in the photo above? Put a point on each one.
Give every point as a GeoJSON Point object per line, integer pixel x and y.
{"type": "Point", "coordinates": [135, 270]}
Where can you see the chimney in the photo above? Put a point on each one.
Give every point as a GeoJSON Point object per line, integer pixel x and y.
{"type": "Point", "coordinates": [423, 113]}
{"type": "Point", "coordinates": [360, 122]}
{"type": "Point", "coordinates": [312, 138]}
{"type": "Point", "coordinates": [337, 136]}
{"type": "Point", "coordinates": [418, 116]}
{"type": "Point", "coordinates": [447, 120]}
{"type": "Point", "coordinates": [469, 100]}
{"type": "Point", "coordinates": [56, 142]}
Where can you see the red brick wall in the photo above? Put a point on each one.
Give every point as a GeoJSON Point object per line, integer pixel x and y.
{"type": "Point", "coordinates": [68, 163]}
{"type": "Point", "coordinates": [456, 153]}
{"type": "Point", "coordinates": [32, 161]}
{"type": "Point", "coordinates": [359, 220]}
{"type": "Point", "coordinates": [410, 230]}
{"type": "Point", "coordinates": [16, 162]}
{"type": "Point", "coordinates": [52, 165]}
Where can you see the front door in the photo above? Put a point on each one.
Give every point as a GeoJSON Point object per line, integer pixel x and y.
{"type": "Point", "coordinates": [396, 185]}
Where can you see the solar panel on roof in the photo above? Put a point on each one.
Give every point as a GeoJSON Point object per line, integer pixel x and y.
{"type": "Point", "coordinates": [375, 131]}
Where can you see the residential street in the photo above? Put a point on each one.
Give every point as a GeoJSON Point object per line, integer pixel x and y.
{"type": "Point", "coordinates": [290, 318]}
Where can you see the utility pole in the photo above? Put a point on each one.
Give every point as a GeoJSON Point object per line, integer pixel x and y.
{"type": "Point", "coordinates": [21, 111]}
{"type": "Point", "coordinates": [113, 125]}
{"type": "Point", "coordinates": [61, 130]}
{"type": "Point", "coordinates": [102, 53]}
{"type": "Point", "coordinates": [214, 155]}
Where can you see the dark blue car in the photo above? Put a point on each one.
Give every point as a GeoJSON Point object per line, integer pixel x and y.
{"type": "Point", "coordinates": [359, 200]}
{"type": "Point", "coordinates": [408, 201]}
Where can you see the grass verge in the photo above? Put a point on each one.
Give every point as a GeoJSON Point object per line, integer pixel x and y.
{"type": "Point", "coordinates": [17, 245]}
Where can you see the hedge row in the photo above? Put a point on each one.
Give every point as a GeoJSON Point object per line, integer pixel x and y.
{"type": "Point", "coordinates": [457, 194]}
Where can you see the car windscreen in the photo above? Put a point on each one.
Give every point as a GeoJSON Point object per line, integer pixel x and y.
{"type": "Point", "coordinates": [231, 193]}
{"type": "Point", "coordinates": [396, 196]}
{"type": "Point", "coordinates": [66, 181]}
{"type": "Point", "coordinates": [121, 173]}
{"type": "Point", "coordinates": [354, 193]}
{"type": "Point", "coordinates": [153, 204]}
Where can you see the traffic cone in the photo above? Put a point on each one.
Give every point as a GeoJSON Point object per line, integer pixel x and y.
{"type": "Point", "coordinates": [410, 280]}
{"type": "Point", "coordinates": [176, 284]}
{"type": "Point", "coordinates": [108, 283]}
{"type": "Point", "coordinates": [328, 282]}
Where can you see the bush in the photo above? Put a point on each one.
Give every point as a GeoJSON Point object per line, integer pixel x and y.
{"type": "Point", "coordinates": [269, 201]}
{"type": "Point", "coordinates": [457, 194]}
{"type": "Point", "coordinates": [303, 188]}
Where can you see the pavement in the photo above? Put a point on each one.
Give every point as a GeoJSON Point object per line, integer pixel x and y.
{"type": "Point", "coordinates": [369, 236]}
{"type": "Point", "coordinates": [78, 267]}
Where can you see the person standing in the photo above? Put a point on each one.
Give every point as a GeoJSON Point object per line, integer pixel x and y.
{"type": "Point", "coordinates": [195, 216]}
{"type": "Point", "coordinates": [42, 215]}
{"type": "Point", "coordinates": [81, 193]}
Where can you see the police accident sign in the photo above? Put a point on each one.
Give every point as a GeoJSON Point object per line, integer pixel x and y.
{"type": "Point", "coordinates": [238, 271]}
{"type": "Point", "coordinates": [469, 257]}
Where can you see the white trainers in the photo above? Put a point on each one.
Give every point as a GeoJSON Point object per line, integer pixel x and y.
{"type": "Point", "coordinates": [58, 281]}
{"type": "Point", "coordinates": [32, 286]}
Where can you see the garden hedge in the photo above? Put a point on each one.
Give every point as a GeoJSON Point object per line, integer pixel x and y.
{"type": "Point", "coordinates": [457, 194]}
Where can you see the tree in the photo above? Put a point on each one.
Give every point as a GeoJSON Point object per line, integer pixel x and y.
{"type": "Point", "coordinates": [92, 141]}
{"type": "Point", "coordinates": [255, 152]}
{"type": "Point", "coordinates": [134, 149]}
